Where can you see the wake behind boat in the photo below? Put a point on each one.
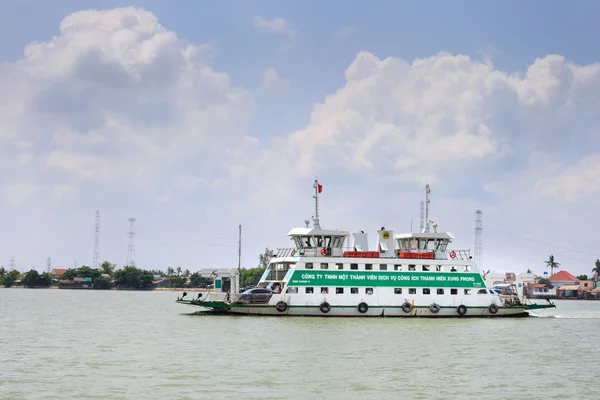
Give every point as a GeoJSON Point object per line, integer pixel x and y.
{"type": "Point", "coordinates": [407, 275]}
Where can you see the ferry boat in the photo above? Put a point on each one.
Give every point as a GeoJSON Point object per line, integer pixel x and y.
{"type": "Point", "coordinates": [325, 274]}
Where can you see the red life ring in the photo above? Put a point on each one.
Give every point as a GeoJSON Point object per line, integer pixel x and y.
{"type": "Point", "coordinates": [453, 254]}
{"type": "Point", "coordinates": [324, 251]}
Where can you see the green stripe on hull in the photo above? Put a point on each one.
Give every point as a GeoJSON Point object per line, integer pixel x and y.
{"type": "Point", "coordinates": [386, 278]}
{"type": "Point", "coordinates": [222, 306]}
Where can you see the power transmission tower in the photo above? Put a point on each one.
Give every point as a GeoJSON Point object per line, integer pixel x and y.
{"type": "Point", "coordinates": [96, 261]}
{"type": "Point", "coordinates": [478, 239]}
{"type": "Point", "coordinates": [11, 264]}
{"type": "Point", "coordinates": [48, 265]}
{"type": "Point", "coordinates": [240, 250]}
{"type": "Point", "coordinates": [131, 234]}
{"type": "Point", "coordinates": [422, 226]}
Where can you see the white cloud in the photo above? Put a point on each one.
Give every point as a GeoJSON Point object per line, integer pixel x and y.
{"type": "Point", "coordinates": [345, 32]}
{"type": "Point", "coordinates": [17, 192]}
{"type": "Point", "coordinates": [276, 25]}
{"type": "Point", "coordinates": [578, 181]}
{"type": "Point", "coordinates": [116, 91]}
{"type": "Point", "coordinates": [271, 81]}
{"type": "Point", "coordinates": [65, 191]}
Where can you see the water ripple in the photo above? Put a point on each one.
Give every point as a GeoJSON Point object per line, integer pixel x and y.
{"type": "Point", "coordinates": [71, 344]}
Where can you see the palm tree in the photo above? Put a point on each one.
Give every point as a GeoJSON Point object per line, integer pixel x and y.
{"type": "Point", "coordinates": [552, 264]}
{"type": "Point", "coordinates": [596, 270]}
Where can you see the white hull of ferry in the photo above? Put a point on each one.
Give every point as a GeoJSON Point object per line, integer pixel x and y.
{"type": "Point", "coordinates": [380, 311]}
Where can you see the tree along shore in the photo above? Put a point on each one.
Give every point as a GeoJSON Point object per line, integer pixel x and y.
{"type": "Point", "coordinates": [127, 278]}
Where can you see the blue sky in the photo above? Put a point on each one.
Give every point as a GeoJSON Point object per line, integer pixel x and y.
{"type": "Point", "coordinates": [499, 114]}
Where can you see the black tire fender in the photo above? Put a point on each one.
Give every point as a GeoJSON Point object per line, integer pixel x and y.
{"type": "Point", "coordinates": [363, 307]}
{"type": "Point", "coordinates": [281, 306]}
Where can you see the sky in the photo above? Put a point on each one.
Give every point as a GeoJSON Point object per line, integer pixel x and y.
{"type": "Point", "coordinates": [197, 117]}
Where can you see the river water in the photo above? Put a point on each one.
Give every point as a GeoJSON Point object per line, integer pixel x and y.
{"type": "Point", "coordinates": [76, 344]}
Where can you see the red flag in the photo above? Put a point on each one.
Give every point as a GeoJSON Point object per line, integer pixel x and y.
{"type": "Point", "coordinates": [319, 188]}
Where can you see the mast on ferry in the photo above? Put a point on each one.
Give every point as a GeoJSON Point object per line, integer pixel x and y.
{"type": "Point", "coordinates": [427, 201]}
{"type": "Point", "coordinates": [318, 189]}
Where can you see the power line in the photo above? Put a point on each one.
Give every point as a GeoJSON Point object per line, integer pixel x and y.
{"type": "Point", "coordinates": [48, 265]}
{"type": "Point", "coordinates": [544, 243]}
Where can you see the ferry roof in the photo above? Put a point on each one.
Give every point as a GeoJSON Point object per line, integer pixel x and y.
{"type": "Point", "coordinates": [425, 235]}
{"type": "Point", "coordinates": [316, 231]}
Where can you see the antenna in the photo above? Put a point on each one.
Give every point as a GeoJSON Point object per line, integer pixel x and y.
{"type": "Point", "coordinates": [96, 261]}
{"type": "Point", "coordinates": [48, 265]}
{"type": "Point", "coordinates": [240, 249]}
{"type": "Point", "coordinates": [131, 249]}
{"type": "Point", "coordinates": [422, 226]}
{"type": "Point", "coordinates": [478, 239]}
{"type": "Point", "coordinates": [427, 201]}
{"type": "Point", "coordinates": [11, 263]}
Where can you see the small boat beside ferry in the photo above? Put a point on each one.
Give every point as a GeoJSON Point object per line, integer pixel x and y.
{"type": "Point", "coordinates": [333, 273]}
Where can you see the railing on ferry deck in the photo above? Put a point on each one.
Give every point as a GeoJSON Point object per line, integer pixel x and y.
{"type": "Point", "coordinates": [463, 255]}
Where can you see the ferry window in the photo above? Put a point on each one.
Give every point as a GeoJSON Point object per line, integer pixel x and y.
{"type": "Point", "coordinates": [425, 268]}
{"type": "Point", "coordinates": [440, 291]}
{"type": "Point", "coordinates": [339, 290]}
{"type": "Point", "coordinates": [398, 290]}
{"type": "Point", "coordinates": [319, 240]}
{"type": "Point", "coordinates": [383, 267]}
{"type": "Point", "coordinates": [467, 268]}
{"type": "Point", "coordinates": [292, 290]}
{"type": "Point", "coordinates": [309, 290]}
{"type": "Point", "coordinates": [368, 267]}
{"type": "Point", "coordinates": [340, 266]}
{"type": "Point", "coordinates": [467, 291]}
{"type": "Point", "coordinates": [482, 291]}
{"type": "Point", "coordinates": [369, 290]}
{"type": "Point", "coordinates": [324, 266]}
{"type": "Point", "coordinates": [298, 242]}
{"type": "Point", "coordinates": [309, 266]}
{"type": "Point", "coordinates": [353, 266]}
{"type": "Point", "coordinates": [438, 268]}
{"type": "Point", "coordinates": [327, 241]}
{"type": "Point", "coordinates": [412, 267]}
{"type": "Point", "coordinates": [453, 269]}
{"type": "Point", "coordinates": [324, 290]}
{"type": "Point", "coordinates": [354, 290]}
{"type": "Point", "coordinates": [444, 245]}
{"type": "Point", "coordinates": [412, 291]}
{"type": "Point", "coordinates": [307, 241]}
{"type": "Point", "coordinates": [397, 267]}
{"type": "Point", "coordinates": [336, 241]}
{"type": "Point", "coordinates": [422, 244]}
{"type": "Point", "coordinates": [426, 291]}
{"type": "Point", "coordinates": [431, 244]}
{"type": "Point", "coordinates": [453, 291]}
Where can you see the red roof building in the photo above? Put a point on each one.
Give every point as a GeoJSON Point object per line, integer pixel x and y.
{"type": "Point", "coordinates": [58, 271]}
{"type": "Point", "coordinates": [563, 276]}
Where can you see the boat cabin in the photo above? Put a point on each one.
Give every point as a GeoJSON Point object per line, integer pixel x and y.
{"type": "Point", "coordinates": [316, 241]}
{"type": "Point", "coordinates": [423, 245]}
